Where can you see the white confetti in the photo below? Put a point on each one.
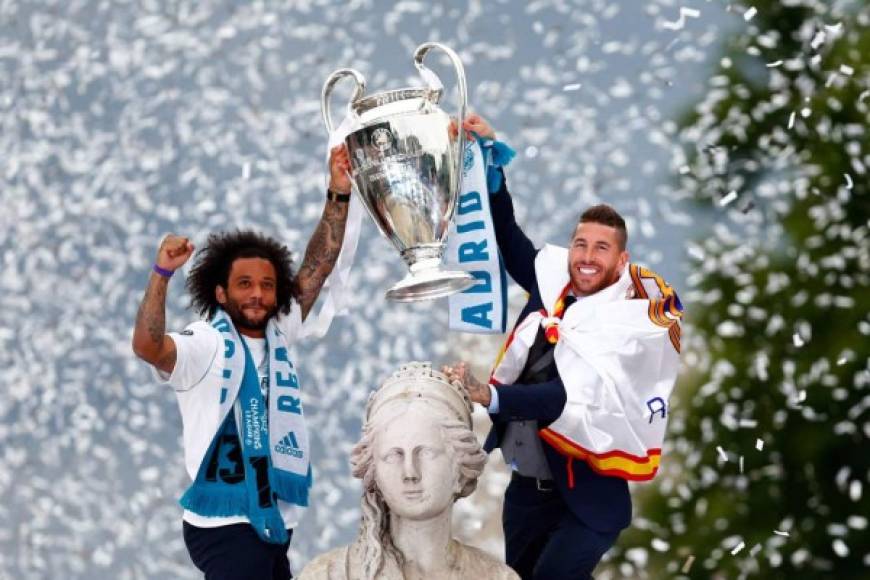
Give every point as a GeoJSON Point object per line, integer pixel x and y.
{"type": "Point", "coordinates": [750, 13]}
{"type": "Point", "coordinates": [847, 70]}
{"type": "Point", "coordinates": [755, 550]}
{"type": "Point", "coordinates": [659, 545]}
{"type": "Point", "coordinates": [680, 22]}
{"type": "Point", "coordinates": [738, 548]}
{"type": "Point", "coordinates": [849, 184]}
{"type": "Point", "coordinates": [728, 198]}
{"type": "Point", "coordinates": [779, 533]}
{"type": "Point", "coordinates": [791, 120]}
{"type": "Point", "coordinates": [687, 565]}
{"type": "Point", "coordinates": [840, 548]}
{"type": "Point", "coordinates": [797, 339]}
{"type": "Point", "coordinates": [572, 87]}
{"type": "Point", "coordinates": [759, 444]}
{"type": "Point", "coordinates": [741, 464]}
{"type": "Point", "coordinates": [855, 489]}
{"type": "Point", "coordinates": [774, 64]}
{"type": "Point", "coordinates": [722, 455]}
{"type": "Point", "coordinates": [246, 170]}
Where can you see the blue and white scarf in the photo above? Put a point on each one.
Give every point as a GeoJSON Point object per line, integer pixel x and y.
{"type": "Point", "coordinates": [262, 457]}
{"type": "Point", "coordinates": [471, 244]}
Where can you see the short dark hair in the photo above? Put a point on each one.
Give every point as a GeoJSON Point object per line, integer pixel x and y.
{"type": "Point", "coordinates": [215, 259]}
{"type": "Point", "coordinates": [605, 215]}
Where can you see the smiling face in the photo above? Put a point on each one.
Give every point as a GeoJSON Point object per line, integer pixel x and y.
{"type": "Point", "coordinates": [414, 466]}
{"type": "Point", "coordinates": [596, 258]}
{"type": "Point", "coordinates": [250, 296]}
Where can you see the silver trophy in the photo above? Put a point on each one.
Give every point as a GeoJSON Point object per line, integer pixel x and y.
{"type": "Point", "coordinates": [407, 169]}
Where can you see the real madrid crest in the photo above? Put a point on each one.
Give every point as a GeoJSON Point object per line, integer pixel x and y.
{"type": "Point", "coordinates": [468, 161]}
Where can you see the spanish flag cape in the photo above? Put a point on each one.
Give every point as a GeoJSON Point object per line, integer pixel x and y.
{"type": "Point", "coordinates": [617, 353]}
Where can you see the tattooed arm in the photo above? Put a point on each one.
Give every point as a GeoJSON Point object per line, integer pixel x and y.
{"type": "Point", "coordinates": [150, 342]}
{"type": "Point", "coordinates": [325, 244]}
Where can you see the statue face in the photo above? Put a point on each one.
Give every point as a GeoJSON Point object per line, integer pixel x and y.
{"type": "Point", "coordinates": [414, 467]}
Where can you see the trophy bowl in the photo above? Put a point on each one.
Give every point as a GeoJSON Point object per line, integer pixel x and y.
{"type": "Point", "coordinates": [406, 167]}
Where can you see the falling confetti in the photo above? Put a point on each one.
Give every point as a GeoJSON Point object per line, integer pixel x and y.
{"type": "Point", "coordinates": [687, 565]}
{"type": "Point", "coordinates": [680, 22]}
{"type": "Point", "coordinates": [849, 183]}
{"type": "Point", "coordinates": [728, 198]}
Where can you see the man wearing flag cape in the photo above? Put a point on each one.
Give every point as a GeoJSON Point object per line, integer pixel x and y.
{"type": "Point", "coordinates": [246, 447]}
{"type": "Point", "coordinates": [579, 395]}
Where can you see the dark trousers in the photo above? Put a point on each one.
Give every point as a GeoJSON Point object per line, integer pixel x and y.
{"type": "Point", "coordinates": [236, 552]}
{"type": "Point", "coordinates": [544, 540]}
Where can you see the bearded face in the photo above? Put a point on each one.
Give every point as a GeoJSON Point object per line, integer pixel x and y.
{"type": "Point", "coordinates": [596, 258]}
{"type": "Point", "coordinates": [250, 298]}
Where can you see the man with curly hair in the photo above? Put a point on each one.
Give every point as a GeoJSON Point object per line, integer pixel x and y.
{"type": "Point", "coordinates": [245, 443]}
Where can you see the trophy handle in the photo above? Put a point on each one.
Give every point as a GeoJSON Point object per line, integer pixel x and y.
{"type": "Point", "coordinates": [428, 75]}
{"type": "Point", "coordinates": [330, 83]}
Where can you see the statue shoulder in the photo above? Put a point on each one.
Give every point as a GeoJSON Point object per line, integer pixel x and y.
{"type": "Point", "coordinates": [476, 563]}
{"type": "Point", "coordinates": [328, 566]}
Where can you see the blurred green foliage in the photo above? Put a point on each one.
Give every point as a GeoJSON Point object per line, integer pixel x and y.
{"type": "Point", "coordinates": [777, 332]}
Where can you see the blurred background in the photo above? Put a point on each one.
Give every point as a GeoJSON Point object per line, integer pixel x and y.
{"type": "Point", "coordinates": [732, 136]}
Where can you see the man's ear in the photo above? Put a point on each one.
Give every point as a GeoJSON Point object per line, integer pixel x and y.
{"type": "Point", "coordinates": [623, 259]}
{"type": "Point", "coordinates": [220, 294]}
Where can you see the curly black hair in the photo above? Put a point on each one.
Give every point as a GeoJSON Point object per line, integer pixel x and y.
{"type": "Point", "coordinates": [213, 262]}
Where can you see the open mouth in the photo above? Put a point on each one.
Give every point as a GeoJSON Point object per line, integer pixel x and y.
{"type": "Point", "coordinates": [587, 271]}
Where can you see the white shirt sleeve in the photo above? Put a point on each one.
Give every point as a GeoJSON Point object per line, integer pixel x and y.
{"type": "Point", "coordinates": [493, 407]}
{"type": "Point", "coordinates": [196, 348]}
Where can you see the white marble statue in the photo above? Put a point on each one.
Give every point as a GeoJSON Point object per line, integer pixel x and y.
{"type": "Point", "coordinates": [417, 456]}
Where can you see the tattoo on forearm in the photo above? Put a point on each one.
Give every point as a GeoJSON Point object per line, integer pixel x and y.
{"type": "Point", "coordinates": [321, 254]}
{"type": "Point", "coordinates": [151, 317]}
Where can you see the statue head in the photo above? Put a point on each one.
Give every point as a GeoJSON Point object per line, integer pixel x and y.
{"type": "Point", "coordinates": [417, 456]}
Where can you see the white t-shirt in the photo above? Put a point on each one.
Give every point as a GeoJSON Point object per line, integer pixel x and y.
{"type": "Point", "coordinates": [198, 367]}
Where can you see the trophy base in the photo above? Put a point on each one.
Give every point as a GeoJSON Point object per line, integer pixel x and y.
{"type": "Point", "coordinates": [429, 284]}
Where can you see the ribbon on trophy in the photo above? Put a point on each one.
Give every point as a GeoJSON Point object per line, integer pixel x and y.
{"type": "Point", "coordinates": [336, 289]}
{"type": "Point", "coordinates": [471, 247]}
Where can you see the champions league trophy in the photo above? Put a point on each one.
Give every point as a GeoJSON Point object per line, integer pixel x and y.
{"type": "Point", "coordinates": [407, 169]}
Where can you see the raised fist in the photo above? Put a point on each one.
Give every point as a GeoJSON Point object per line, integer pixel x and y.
{"type": "Point", "coordinates": [174, 251]}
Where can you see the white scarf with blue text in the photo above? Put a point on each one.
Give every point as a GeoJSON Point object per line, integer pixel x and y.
{"type": "Point", "coordinates": [472, 247]}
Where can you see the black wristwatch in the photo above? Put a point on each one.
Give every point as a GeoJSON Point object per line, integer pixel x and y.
{"type": "Point", "coordinates": [339, 197]}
